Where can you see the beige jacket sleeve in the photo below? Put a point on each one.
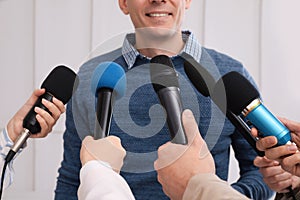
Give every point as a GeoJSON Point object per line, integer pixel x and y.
{"type": "Point", "coordinates": [209, 186]}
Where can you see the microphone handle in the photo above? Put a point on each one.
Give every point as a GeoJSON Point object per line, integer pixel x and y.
{"type": "Point", "coordinates": [267, 124]}
{"type": "Point", "coordinates": [103, 113]}
{"type": "Point", "coordinates": [170, 99]}
{"type": "Point", "coordinates": [21, 140]}
{"type": "Point", "coordinates": [244, 129]}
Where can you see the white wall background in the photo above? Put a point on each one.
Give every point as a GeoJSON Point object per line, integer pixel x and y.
{"type": "Point", "coordinates": [36, 35]}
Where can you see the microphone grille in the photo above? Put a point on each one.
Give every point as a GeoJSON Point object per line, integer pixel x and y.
{"type": "Point", "coordinates": [239, 91]}
{"type": "Point", "coordinates": [202, 80]}
{"type": "Point", "coordinates": [162, 73]}
{"type": "Point", "coordinates": [61, 82]}
{"type": "Point", "coordinates": [109, 75]}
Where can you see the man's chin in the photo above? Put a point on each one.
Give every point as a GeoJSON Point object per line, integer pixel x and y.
{"type": "Point", "coordinates": [154, 33]}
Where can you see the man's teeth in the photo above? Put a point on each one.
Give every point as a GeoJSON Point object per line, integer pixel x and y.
{"type": "Point", "coordinates": [158, 14]}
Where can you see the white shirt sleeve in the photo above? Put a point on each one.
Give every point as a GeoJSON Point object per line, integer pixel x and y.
{"type": "Point", "coordinates": [5, 144]}
{"type": "Point", "coordinates": [99, 182]}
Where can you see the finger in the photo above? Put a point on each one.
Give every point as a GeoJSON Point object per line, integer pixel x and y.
{"type": "Point", "coordinates": [266, 143]}
{"type": "Point", "coordinates": [296, 138]}
{"type": "Point", "coordinates": [35, 95]}
{"type": "Point", "coordinates": [277, 153]}
{"type": "Point", "coordinates": [282, 119]}
{"type": "Point", "coordinates": [295, 181]}
{"type": "Point", "coordinates": [279, 177]}
{"type": "Point", "coordinates": [87, 139]}
{"type": "Point", "coordinates": [85, 154]}
{"type": "Point", "coordinates": [166, 191]}
{"type": "Point", "coordinates": [54, 110]}
{"type": "Point", "coordinates": [59, 104]}
{"type": "Point", "coordinates": [116, 141]}
{"type": "Point", "coordinates": [264, 162]}
{"type": "Point", "coordinates": [39, 92]}
{"type": "Point", "coordinates": [168, 154]}
{"type": "Point", "coordinates": [254, 132]}
{"type": "Point", "coordinates": [45, 129]}
{"type": "Point", "coordinates": [191, 127]}
{"type": "Point", "coordinates": [163, 147]}
{"type": "Point", "coordinates": [271, 171]}
{"type": "Point", "coordinates": [291, 164]}
{"type": "Point", "coordinates": [281, 186]}
{"type": "Point", "coordinates": [156, 167]}
{"type": "Point", "coordinates": [104, 150]}
{"type": "Point", "coordinates": [291, 125]}
{"type": "Point", "coordinates": [46, 116]}
{"type": "Point", "coordinates": [85, 143]}
{"type": "Point", "coordinates": [159, 177]}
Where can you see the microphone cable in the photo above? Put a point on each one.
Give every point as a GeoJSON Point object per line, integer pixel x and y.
{"type": "Point", "coordinates": [2, 178]}
{"type": "Point", "coordinates": [8, 158]}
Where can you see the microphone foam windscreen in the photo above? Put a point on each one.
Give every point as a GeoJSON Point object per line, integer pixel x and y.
{"type": "Point", "coordinates": [61, 82]}
{"type": "Point", "coordinates": [109, 75]}
{"type": "Point", "coordinates": [239, 91]}
{"type": "Point", "coordinates": [162, 73]}
{"type": "Point", "coordinates": [202, 80]}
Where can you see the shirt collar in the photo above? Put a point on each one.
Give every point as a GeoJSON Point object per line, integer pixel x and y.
{"type": "Point", "coordinates": [191, 47]}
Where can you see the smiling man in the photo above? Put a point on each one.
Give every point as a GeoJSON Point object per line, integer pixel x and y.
{"type": "Point", "coordinates": [138, 122]}
{"type": "Point", "coordinates": [157, 25]}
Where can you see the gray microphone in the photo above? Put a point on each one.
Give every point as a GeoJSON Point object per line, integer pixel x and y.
{"type": "Point", "coordinates": [165, 83]}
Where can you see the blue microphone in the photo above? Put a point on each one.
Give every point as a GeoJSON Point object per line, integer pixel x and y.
{"type": "Point", "coordinates": [108, 84]}
{"type": "Point", "coordinates": [243, 99]}
{"type": "Point", "coordinates": [266, 122]}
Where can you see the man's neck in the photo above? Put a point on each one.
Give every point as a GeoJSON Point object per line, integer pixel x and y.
{"type": "Point", "coordinates": [150, 45]}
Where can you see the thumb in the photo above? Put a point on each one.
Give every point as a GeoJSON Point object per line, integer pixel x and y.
{"type": "Point", "coordinates": [291, 125]}
{"type": "Point", "coordinates": [190, 126]}
{"type": "Point", "coordinates": [192, 132]}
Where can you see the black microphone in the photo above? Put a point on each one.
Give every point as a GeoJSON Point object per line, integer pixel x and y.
{"type": "Point", "coordinates": [60, 83]}
{"type": "Point", "coordinates": [108, 84]}
{"type": "Point", "coordinates": [243, 99]}
{"type": "Point", "coordinates": [165, 83]}
{"type": "Point", "coordinates": [202, 80]}
{"type": "Point", "coordinates": [205, 84]}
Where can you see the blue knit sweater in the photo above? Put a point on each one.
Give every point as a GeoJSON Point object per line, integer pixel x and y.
{"type": "Point", "coordinates": [140, 123]}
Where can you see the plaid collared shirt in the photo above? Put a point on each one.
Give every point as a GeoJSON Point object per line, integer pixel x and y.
{"type": "Point", "coordinates": [191, 47]}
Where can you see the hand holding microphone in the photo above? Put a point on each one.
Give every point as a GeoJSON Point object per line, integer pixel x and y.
{"type": "Point", "coordinates": [286, 155]}
{"type": "Point", "coordinates": [60, 83]}
{"type": "Point", "coordinates": [46, 121]}
{"type": "Point", "coordinates": [40, 113]}
{"type": "Point", "coordinates": [280, 165]}
{"type": "Point", "coordinates": [177, 164]}
{"type": "Point", "coordinates": [243, 99]}
{"type": "Point", "coordinates": [108, 150]}
{"type": "Point", "coordinates": [108, 84]}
